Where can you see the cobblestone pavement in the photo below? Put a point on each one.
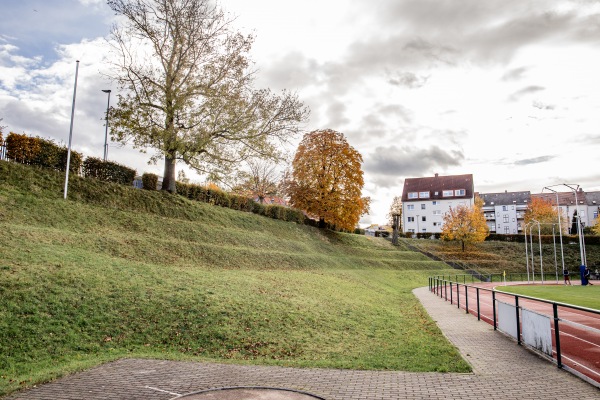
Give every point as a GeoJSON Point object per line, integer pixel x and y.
{"type": "Point", "coordinates": [501, 370]}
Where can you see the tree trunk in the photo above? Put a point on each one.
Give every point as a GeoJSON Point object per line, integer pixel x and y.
{"type": "Point", "coordinates": [395, 233]}
{"type": "Point", "coordinates": [168, 182]}
{"type": "Point", "coordinates": [463, 245]}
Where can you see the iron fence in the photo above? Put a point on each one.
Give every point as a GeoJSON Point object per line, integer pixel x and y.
{"type": "Point", "coordinates": [565, 334]}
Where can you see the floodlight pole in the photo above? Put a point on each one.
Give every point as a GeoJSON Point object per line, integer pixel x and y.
{"type": "Point", "coordinates": [71, 131]}
{"type": "Point", "coordinates": [526, 250]}
{"type": "Point", "coordinates": [579, 227]}
{"type": "Point", "coordinates": [540, 243]}
{"type": "Point", "coordinates": [559, 214]}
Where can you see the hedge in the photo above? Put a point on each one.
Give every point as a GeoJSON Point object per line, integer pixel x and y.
{"type": "Point", "coordinates": [108, 171]}
{"type": "Point", "coordinates": [41, 152]}
{"type": "Point", "coordinates": [149, 181]}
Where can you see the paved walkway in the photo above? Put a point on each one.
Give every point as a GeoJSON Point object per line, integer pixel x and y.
{"type": "Point", "coordinates": [501, 370]}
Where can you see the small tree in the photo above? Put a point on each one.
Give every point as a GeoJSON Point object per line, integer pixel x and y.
{"type": "Point", "coordinates": [465, 224]}
{"type": "Point", "coordinates": [395, 218]}
{"type": "Point", "coordinates": [259, 179]}
{"type": "Point", "coordinates": [544, 212]}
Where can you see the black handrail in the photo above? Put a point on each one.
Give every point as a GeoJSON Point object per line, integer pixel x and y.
{"type": "Point", "coordinates": [439, 285]}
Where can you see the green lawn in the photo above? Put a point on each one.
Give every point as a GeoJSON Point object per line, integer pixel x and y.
{"type": "Point", "coordinates": [584, 296]}
{"type": "Point", "coordinates": [117, 272]}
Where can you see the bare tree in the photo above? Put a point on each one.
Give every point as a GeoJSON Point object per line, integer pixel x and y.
{"type": "Point", "coordinates": [187, 89]}
{"type": "Point", "coordinates": [259, 179]}
{"type": "Point", "coordinates": [395, 218]}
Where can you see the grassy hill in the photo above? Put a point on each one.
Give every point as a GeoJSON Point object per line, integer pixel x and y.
{"type": "Point", "coordinates": [118, 272]}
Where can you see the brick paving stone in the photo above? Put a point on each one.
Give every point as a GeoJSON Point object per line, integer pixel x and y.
{"type": "Point", "coordinates": [501, 370]}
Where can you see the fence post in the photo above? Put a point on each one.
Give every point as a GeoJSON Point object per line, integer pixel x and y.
{"type": "Point", "coordinates": [457, 294]}
{"type": "Point", "coordinates": [494, 307]}
{"type": "Point", "coordinates": [518, 320]}
{"type": "Point", "coordinates": [466, 299]}
{"type": "Point", "coordinates": [451, 293]}
{"type": "Point", "coordinates": [478, 312]}
{"type": "Point", "coordinates": [557, 336]}
{"type": "Point", "coordinates": [446, 289]}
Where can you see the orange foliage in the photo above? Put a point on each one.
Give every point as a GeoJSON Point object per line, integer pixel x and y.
{"type": "Point", "coordinates": [327, 180]}
{"type": "Point", "coordinates": [544, 212]}
{"type": "Point", "coordinates": [465, 224]}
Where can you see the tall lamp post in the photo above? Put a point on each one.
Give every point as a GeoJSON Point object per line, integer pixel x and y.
{"type": "Point", "coordinates": [106, 126]}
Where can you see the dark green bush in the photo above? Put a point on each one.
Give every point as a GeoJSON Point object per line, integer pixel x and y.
{"type": "Point", "coordinates": [108, 171]}
{"type": "Point", "coordinates": [149, 181]}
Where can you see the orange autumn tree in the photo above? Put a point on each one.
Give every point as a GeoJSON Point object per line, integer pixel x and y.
{"type": "Point", "coordinates": [465, 224]}
{"type": "Point", "coordinates": [327, 180]}
{"type": "Point", "coordinates": [544, 212]}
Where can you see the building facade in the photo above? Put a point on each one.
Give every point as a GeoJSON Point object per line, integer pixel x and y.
{"type": "Point", "coordinates": [505, 212]}
{"type": "Point", "coordinates": [425, 201]}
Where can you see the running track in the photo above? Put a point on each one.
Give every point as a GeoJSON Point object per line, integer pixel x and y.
{"type": "Point", "coordinates": [579, 330]}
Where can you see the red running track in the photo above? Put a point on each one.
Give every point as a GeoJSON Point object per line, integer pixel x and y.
{"type": "Point", "coordinates": [579, 331]}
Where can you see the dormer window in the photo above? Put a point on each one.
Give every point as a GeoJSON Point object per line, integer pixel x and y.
{"type": "Point", "coordinates": [423, 195]}
{"type": "Point", "coordinates": [459, 192]}
{"type": "Point", "coordinates": [448, 193]}
{"type": "Point", "coordinates": [413, 195]}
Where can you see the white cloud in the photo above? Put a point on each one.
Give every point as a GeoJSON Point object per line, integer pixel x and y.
{"type": "Point", "coordinates": [504, 89]}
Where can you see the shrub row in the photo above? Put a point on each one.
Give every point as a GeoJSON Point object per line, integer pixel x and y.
{"type": "Point", "coordinates": [41, 152]}
{"type": "Point", "coordinates": [239, 203]}
{"type": "Point", "coordinates": [108, 171]}
{"type": "Point", "coordinates": [47, 154]}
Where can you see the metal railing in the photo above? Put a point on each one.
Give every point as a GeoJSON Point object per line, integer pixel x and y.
{"type": "Point", "coordinates": [565, 334]}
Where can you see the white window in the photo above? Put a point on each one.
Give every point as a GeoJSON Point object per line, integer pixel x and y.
{"type": "Point", "coordinates": [595, 214]}
{"type": "Point", "coordinates": [435, 203]}
{"type": "Point", "coordinates": [423, 195]}
{"type": "Point", "coordinates": [410, 206]}
{"type": "Point", "coordinates": [459, 192]}
{"type": "Point", "coordinates": [413, 195]}
{"type": "Point", "coordinates": [447, 193]}
{"type": "Point", "coordinates": [505, 218]}
{"type": "Point", "coordinates": [437, 212]}
{"type": "Point", "coordinates": [506, 230]}
{"type": "Point", "coordinates": [411, 230]}
{"type": "Point", "coordinates": [504, 208]}
{"type": "Point", "coordinates": [422, 206]}
{"type": "Point", "coordinates": [423, 218]}
{"type": "Point", "coordinates": [411, 219]}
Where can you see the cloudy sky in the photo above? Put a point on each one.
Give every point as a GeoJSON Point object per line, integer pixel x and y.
{"type": "Point", "coordinates": [507, 90]}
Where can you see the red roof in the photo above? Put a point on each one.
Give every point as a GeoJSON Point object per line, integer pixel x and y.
{"type": "Point", "coordinates": [436, 185]}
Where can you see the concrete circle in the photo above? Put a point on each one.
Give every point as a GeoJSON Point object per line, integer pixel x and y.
{"type": "Point", "coordinates": [249, 393]}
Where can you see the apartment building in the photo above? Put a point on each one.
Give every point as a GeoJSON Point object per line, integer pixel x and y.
{"type": "Point", "coordinates": [426, 200]}
{"type": "Point", "coordinates": [505, 212]}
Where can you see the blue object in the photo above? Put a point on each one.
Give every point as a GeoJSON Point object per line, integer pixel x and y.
{"type": "Point", "coordinates": [584, 280]}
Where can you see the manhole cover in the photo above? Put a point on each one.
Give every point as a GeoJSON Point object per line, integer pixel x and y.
{"type": "Point", "coordinates": [249, 394]}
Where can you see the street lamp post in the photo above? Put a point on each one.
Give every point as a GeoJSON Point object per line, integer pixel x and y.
{"type": "Point", "coordinates": [106, 126]}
